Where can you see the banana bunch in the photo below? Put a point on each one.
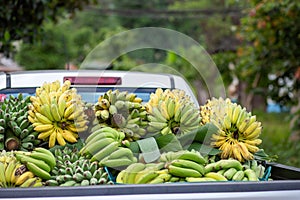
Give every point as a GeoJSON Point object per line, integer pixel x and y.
{"type": "Point", "coordinates": [238, 130]}
{"type": "Point", "coordinates": [105, 146]}
{"type": "Point", "coordinates": [229, 170]}
{"type": "Point", "coordinates": [171, 112]}
{"type": "Point", "coordinates": [141, 173]}
{"type": "Point", "coordinates": [72, 169]}
{"type": "Point", "coordinates": [40, 161]}
{"type": "Point", "coordinates": [16, 131]}
{"type": "Point", "coordinates": [15, 174]}
{"type": "Point", "coordinates": [57, 113]}
{"type": "Point", "coordinates": [122, 111]}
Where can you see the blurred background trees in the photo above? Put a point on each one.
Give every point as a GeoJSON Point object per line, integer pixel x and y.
{"type": "Point", "coordinates": [254, 43]}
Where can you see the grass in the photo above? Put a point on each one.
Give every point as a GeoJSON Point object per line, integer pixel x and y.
{"type": "Point", "coordinates": [275, 136]}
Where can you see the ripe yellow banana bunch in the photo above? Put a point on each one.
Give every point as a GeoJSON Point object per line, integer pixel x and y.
{"type": "Point", "coordinates": [238, 130]}
{"type": "Point", "coordinates": [57, 113]}
{"type": "Point", "coordinates": [171, 112]}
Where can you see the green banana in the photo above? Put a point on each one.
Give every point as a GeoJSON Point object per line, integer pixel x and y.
{"type": "Point", "coordinates": [183, 172]}
{"type": "Point", "coordinates": [228, 163]}
{"type": "Point", "coordinates": [121, 152]}
{"type": "Point", "coordinates": [96, 132]}
{"type": "Point", "coordinates": [69, 183]}
{"type": "Point", "coordinates": [116, 163]}
{"type": "Point", "coordinates": [106, 151]}
{"type": "Point", "coordinates": [38, 171]}
{"type": "Point", "coordinates": [251, 175]}
{"type": "Point", "coordinates": [146, 177]}
{"type": "Point", "coordinates": [131, 171]}
{"type": "Point", "coordinates": [238, 176]}
{"type": "Point", "coordinates": [211, 167]}
{"type": "Point", "coordinates": [189, 164]}
{"type": "Point", "coordinates": [51, 158]}
{"type": "Point", "coordinates": [229, 173]}
{"type": "Point", "coordinates": [216, 176]}
{"type": "Point", "coordinates": [96, 146]}
{"type": "Point", "coordinates": [27, 159]}
{"type": "Point", "coordinates": [193, 156]}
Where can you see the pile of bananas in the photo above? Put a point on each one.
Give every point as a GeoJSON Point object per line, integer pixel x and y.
{"type": "Point", "coordinates": [190, 166]}
{"type": "Point", "coordinates": [105, 145]}
{"type": "Point", "coordinates": [57, 113]}
{"type": "Point", "coordinates": [123, 111]}
{"type": "Point", "coordinates": [15, 174]}
{"type": "Point", "coordinates": [40, 161]}
{"type": "Point", "coordinates": [238, 130]}
{"type": "Point", "coordinates": [72, 169]}
{"type": "Point", "coordinates": [16, 131]}
{"type": "Point", "coordinates": [171, 112]}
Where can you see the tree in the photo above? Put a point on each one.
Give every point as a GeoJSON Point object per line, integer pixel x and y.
{"type": "Point", "coordinates": [269, 59]}
{"type": "Point", "coordinates": [23, 19]}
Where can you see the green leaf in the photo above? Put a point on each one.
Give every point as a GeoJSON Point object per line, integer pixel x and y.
{"type": "Point", "coordinates": [261, 155]}
{"type": "Point", "coordinates": [149, 149]}
{"type": "Point", "coordinates": [6, 36]}
{"type": "Point", "coordinates": [204, 149]}
{"type": "Point", "coordinates": [201, 135]}
{"type": "Point", "coordinates": [168, 142]}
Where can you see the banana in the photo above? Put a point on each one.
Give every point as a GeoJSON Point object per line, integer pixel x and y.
{"type": "Point", "coordinates": [9, 170]}
{"type": "Point", "coordinates": [193, 156]}
{"type": "Point", "coordinates": [229, 173]}
{"type": "Point", "coordinates": [186, 113]}
{"type": "Point", "coordinates": [216, 176]}
{"type": "Point", "coordinates": [38, 171]}
{"type": "Point", "coordinates": [164, 109]}
{"type": "Point", "coordinates": [235, 114]}
{"type": "Point", "coordinates": [251, 128]}
{"type": "Point", "coordinates": [105, 151]}
{"type": "Point", "coordinates": [68, 136]}
{"type": "Point", "coordinates": [94, 147]}
{"type": "Point", "coordinates": [255, 134]}
{"type": "Point", "coordinates": [43, 127]}
{"type": "Point", "coordinates": [199, 179]}
{"type": "Point", "coordinates": [146, 177]}
{"type": "Point", "coordinates": [46, 111]}
{"type": "Point", "coordinates": [50, 160]}
{"type": "Point", "coordinates": [95, 133]}
{"type": "Point", "coordinates": [45, 134]}
{"type": "Point", "coordinates": [55, 113]}
{"type": "Point", "coordinates": [28, 159]}
{"type": "Point", "coordinates": [171, 107]}
{"type": "Point", "coordinates": [115, 163]}
{"type": "Point", "coordinates": [131, 172]}
{"type": "Point", "coordinates": [29, 182]}
{"type": "Point", "coordinates": [52, 139]}
{"type": "Point", "coordinates": [183, 172]}
{"type": "Point", "coordinates": [102, 135]}
{"type": "Point", "coordinates": [60, 139]}
{"type": "Point", "coordinates": [121, 152]}
{"type": "Point", "coordinates": [251, 175]}
{"type": "Point", "coordinates": [75, 115]}
{"type": "Point", "coordinates": [158, 125]}
{"type": "Point", "coordinates": [238, 176]}
{"type": "Point", "coordinates": [69, 110]}
{"type": "Point", "coordinates": [2, 175]}
{"type": "Point", "coordinates": [158, 115]}
{"type": "Point", "coordinates": [230, 163]}
{"type": "Point", "coordinates": [189, 164]}
{"type": "Point", "coordinates": [18, 171]}
{"type": "Point", "coordinates": [25, 176]}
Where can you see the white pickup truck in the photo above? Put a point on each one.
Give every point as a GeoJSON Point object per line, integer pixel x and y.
{"type": "Point", "coordinates": [90, 84]}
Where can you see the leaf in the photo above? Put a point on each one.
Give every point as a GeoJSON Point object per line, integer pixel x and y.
{"type": "Point", "coordinates": [168, 142]}
{"type": "Point", "coordinates": [149, 149]}
{"type": "Point", "coordinates": [204, 149]}
{"type": "Point", "coordinates": [201, 134]}
{"type": "Point", "coordinates": [261, 155]}
{"type": "Point", "coordinates": [6, 36]}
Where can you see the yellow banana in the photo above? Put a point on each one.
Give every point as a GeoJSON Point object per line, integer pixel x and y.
{"type": "Point", "coordinates": [46, 111]}
{"type": "Point", "coordinates": [78, 112]}
{"type": "Point", "coordinates": [52, 139]}
{"type": "Point", "coordinates": [251, 128]}
{"type": "Point", "coordinates": [43, 119]}
{"type": "Point", "coordinates": [21, 179]}
{"type": "Point", "coordinates": [44, 97]}
{"type": "Point", "coordinates": [164, 110]}
{"type": "Point", "coordinates": [43, 127]}
{"type": "Point", "coordinates": [68, 135]}
{"type": "Point", "coordinates": [9, 170]}
{"type": "Point", "coordinates": [254, 142]}
{"type": "Point", "coordinates": [255, 134]}
{"type": "Point", "coordinates": [59, 137]}
{"type": "Point", "coordinates": [55, 112]}
{"type": "Point", "coordinates": [45, 134]}
{"type": "Point", "coordinates": [235, 114]}
{"type": "Point", "coordinates": [69, 110]}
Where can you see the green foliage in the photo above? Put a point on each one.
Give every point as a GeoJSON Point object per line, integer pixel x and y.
{"type": "Point", "coordinates": [22, 20]}
{"type": "Point", "coordinates": [275, 136]}
{"type": "Point", "coordinates": [272, 28]}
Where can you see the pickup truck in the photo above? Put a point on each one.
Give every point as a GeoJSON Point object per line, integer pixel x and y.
{"type": "Point", "coordinates": [285, 183]}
